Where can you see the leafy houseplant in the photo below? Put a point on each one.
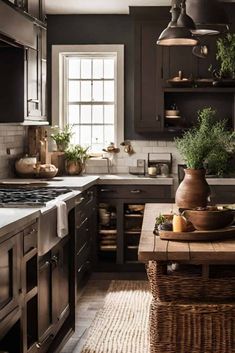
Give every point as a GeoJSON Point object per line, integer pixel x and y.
{"type": "Point", "coordinates": [62, 137]}
{"type": "Point", "coordinates": [198, 146]}
{"type": "Point", "coordinates": [76, 157]}
{"type": "Point", "coordinates": [226, 55]}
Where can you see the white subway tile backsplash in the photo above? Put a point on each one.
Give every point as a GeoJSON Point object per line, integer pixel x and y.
{"type": "Point", "coordinates": [11, 136]}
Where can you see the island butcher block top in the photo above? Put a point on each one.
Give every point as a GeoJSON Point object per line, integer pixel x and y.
{"type": "Point", "coordinates": [151, 247]}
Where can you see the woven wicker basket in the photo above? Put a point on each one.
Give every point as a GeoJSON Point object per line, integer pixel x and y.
{"type": "Point", "coordinates": [189, 282]}
{"type": "Point", "coordinates": [192, 328]}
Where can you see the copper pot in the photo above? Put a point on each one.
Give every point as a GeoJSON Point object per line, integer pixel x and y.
{"type": "Point", "coordinates": [193, 191]}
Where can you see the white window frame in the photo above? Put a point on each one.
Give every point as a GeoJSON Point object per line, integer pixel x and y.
{"type": "Point", "coordinates": [59, 53]}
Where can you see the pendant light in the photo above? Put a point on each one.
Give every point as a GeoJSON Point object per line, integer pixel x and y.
{"type": "Point", "coordinates": [208, 15]}
{"type": "Point", "coordinates": [177, 33]}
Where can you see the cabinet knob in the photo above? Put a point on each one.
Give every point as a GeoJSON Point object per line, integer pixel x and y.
{"type": "Point", "coordinates": [54, 260]}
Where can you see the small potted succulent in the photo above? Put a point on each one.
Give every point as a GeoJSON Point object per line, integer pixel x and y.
{"type": "Point", "coordinates": [62, 137]}
{"type": "Point", "coordinates": [76, 157]}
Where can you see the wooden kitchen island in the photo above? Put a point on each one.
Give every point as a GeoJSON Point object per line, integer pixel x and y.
{"type": "Point", "coordinates": [193, 289]}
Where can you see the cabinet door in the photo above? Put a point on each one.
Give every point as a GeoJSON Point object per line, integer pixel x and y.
{"type": "Point", "coordinates": [43, 63]}
{"type": "Point", "coordinates": [32, 83]}
{"type": "Point", "coordinates": [60, 280]}
{"type": "Point", "coordinates": [44, 297]}
{"type": "Point", "coordinates": [148, 92]}
{"type": "Point", "coordinates": [10, 275]}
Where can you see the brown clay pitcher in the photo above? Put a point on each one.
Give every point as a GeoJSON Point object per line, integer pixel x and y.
{"type": "Point", "coordinates": [193, 191]}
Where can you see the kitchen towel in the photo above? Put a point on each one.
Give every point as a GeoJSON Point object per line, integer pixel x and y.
{"type": "Point", "coordinates": [62, 219]}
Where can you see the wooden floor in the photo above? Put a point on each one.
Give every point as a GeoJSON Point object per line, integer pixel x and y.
{"type": "Point", "coordinates": [90, 300]}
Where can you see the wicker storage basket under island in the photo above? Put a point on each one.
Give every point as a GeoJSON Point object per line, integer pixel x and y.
{"type": "Point", "coordinates": [193, 308]}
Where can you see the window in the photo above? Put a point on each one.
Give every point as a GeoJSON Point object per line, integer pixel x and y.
{"type": "Point", "coordinates": [90, 93]}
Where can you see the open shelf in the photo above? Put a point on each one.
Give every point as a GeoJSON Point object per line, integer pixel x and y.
{"type": "Point", "coordinates": [200, 89]}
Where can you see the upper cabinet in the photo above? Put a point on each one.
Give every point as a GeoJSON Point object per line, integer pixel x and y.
{"type": "Point", "coordinates": [23, 65]}
{"type": "Point", "coordinates": [156, 65]}
{"type": "Point", "coordinates": [148, 64]}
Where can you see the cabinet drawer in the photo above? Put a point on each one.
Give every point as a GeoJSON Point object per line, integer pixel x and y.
{"type": "Point", "coordinates": [86, 204]}
{"type": "Point", "coordinates": [30, 238]}
{"type": "Point", "coordinates": [82, 271]}
{"type": "Point", "coordinates": [84, 254]}
{"type": "Point", "coordinates": [82, 235]}
{"type": "Point", "coordinates": [134, 191]}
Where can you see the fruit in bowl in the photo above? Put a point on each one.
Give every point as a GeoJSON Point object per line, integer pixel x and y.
{"type": "Point", "coordinates": [209, 218]}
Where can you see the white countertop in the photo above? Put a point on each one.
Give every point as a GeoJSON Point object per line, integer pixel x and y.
{"type": "Point", "coordinates": [9, 217]}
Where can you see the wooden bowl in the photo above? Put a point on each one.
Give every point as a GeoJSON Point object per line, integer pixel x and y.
{"type": "Point", "coordinates": [209, 220]}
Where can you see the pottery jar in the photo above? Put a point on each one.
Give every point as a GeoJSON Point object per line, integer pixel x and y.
{"type": "Point", "coordinates": [193, 191]}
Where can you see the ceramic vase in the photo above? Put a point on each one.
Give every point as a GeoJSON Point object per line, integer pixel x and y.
{"type": "Point", "coordinates": [193, 191]}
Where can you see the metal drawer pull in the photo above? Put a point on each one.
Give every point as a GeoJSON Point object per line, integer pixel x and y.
{"type": "Point", "coordinates": [40, 344]}
{"type": "Point", "coordinates": [31, 232]}
{"type": "Point", "coordinates": [54, 260]}
{"type": "Point", "coordinates": [36, 101]}
{"type": "Point", "coordinates": [45, 265]}
{"type": "Point", "coordinates": [136, 191]}
{"type": "Point", "coordinates": [87, 263]}
{"type": "Point", "coordinates": [107, 190]}
{"type": "Point", "coordinates": [81, 199]}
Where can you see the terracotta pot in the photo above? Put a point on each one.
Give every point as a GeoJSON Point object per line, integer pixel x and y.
{"type": "Point", "coordinates": [193, 191]}
{"type": "Point", "coordinates": [74, 167]}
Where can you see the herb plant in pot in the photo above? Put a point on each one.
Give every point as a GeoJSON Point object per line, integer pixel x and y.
{"type": "Point", "coordinates": [225, 55]}
{"type": "Point", "coordinates": [196, 146]}
{"type": "Point", "coordinates": [76, 157]}
{"type": "Point", "coordinates": [62, 137]}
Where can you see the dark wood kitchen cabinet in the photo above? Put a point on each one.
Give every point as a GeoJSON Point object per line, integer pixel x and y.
{"type": "Point", "coordinates": [53, 293]}
{"type": "Point", "coordinates": [120, 216]}
{"type": "Point", "coordinates": [148, 95]}
{"type": "Point", "coordinates": [35, 63]}
{"type": "Point", "coordinates": [10, 258]}
{"type": "Point", "coordinates": [86, 224]}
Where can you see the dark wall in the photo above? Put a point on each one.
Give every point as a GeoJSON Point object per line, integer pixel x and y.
{"type": "Point", "coordinates": [98, 29]}
{"type": "Point", "coordinates": [109, 29]}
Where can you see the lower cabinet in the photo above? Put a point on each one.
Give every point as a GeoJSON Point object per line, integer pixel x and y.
{"type": "Point", "coordinates": [120, 217]}
{"type": "Point", "coordinates": [86, 226]}
{"type": "Point", "coordinates": [53, 292]}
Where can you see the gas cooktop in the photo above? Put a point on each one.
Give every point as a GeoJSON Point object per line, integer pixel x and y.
{"type": "Point", "coordinates": [29, 196]}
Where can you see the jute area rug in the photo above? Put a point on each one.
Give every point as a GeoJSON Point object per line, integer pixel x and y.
{"type": "Point", "coordinates": [121, 326]}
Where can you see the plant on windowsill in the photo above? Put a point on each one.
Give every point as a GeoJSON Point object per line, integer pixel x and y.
{"type": "Point", "coordinates": [62, 137]}
{"type": "Point", "coordinates": [76, 157]}
{"type": "Point", "coordinates": [198, 146]}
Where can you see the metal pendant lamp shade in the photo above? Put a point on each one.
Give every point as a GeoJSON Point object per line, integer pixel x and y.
{"type": "Point", "coordinates": [208, 15]}
{"type": "Point", "coordinates": [177, 33]}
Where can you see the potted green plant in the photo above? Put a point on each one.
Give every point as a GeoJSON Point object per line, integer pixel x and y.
{"type": "Point", "coordinates": [76, 157]}
{"type": "Point", "coordinates": [225, 56]}
{"type": "Point", "coordinates": [62, 137]}
{"type": "Point", "coordinates": [197, 146]}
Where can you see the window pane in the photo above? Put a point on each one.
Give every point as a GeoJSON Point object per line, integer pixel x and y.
{"type": "Point", "coordinates": [85, 114]}
{"type": "Point", "coordinates": [85, 68]}
{"type": "Point", "coordinates": [108, 134]}
{"type": "Point", "coordinates": [74, 91]}
{"type": "Point", "coordinates": [109, 91]}
{"type": "Point", "coordinates": [109, 114]}
{"type": "Point", "coordinates": [85, 134]}
{"type": "Point", "coordinates": [74, 68]}
{"type": "Point", "coordinates": [97, 68]}
{"type": "Point", "coordinates": [109, 68]}
{"type": "Point", "coordinates": [73, 117]}
{"type": "Point", "coordinates": [86, 91]}
{"type": "Point", "coordinates": [97, 147]}
{"type": "Point", "coordinates": [75, 137]}
{"type": "Point", "coordinates": [97, 134]}
{"type": "Point", "coordinates": [97, 117]}
{"type": "Point", "coordinates": [97, 91]}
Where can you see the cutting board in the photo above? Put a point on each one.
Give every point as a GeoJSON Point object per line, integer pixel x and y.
{"type": "Point", "coordinates": [197, 235]}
